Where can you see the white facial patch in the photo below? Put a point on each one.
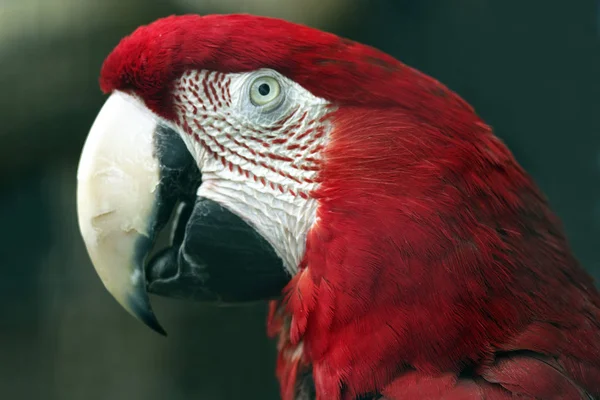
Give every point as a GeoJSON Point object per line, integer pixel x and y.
{"type": "Point", "coordinates": [257, 138]}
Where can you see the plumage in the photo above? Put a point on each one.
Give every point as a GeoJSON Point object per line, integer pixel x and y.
{"type": "Point", "coordinates": [435, 268]}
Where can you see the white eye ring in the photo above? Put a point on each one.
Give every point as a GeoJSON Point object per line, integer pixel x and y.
{"type": "Point", "coordinates": [265, 91]}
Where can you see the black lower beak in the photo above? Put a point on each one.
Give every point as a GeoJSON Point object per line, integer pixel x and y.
{"type": "Point", "coordinates": [215, 256]}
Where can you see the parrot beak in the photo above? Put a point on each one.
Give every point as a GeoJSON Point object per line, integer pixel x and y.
{"type": "Point", "coordinates": [121, 201]}
{"type": "Point", "coordinates": [133, 172]}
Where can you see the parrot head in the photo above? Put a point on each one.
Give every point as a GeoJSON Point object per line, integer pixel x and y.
{"type": "Point", "coordinates": [363, 196]}
{"type": "Point", "coordinates": [213, 110]}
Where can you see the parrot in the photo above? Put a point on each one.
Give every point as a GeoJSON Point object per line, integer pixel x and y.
{"type": "Point", "coordinates": [401, 249]}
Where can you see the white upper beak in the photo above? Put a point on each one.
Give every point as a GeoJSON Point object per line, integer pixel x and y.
{"type": "Point", "coordinates": [118, 179]}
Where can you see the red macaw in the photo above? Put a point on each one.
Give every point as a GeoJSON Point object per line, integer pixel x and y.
{"type": "Point", "coordinates": [405, 253]}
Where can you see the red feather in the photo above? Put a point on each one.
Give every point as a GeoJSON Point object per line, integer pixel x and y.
{"type": "Point", "coordinates": [150, 59]}
{"type": "Point", "coordinates": [435, 252]}
{"type": "Point", "coordinates": [436, 269]}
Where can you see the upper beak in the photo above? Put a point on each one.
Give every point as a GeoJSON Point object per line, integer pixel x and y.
{"type": "Point", "coordinates": [118, 200]}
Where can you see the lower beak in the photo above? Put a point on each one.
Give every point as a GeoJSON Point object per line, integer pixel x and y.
{"type": "Point", "coordinates": [121, 204]}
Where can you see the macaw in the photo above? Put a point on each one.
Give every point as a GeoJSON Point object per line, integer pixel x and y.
{"type": "Point", "coordinates": [404, 253]}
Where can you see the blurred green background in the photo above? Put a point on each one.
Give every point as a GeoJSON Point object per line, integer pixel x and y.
{"type": "Point", "coordinates": [530, 68]}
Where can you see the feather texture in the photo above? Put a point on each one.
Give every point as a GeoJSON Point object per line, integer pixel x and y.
{"type": "Point", "coordinates": [435, 252]}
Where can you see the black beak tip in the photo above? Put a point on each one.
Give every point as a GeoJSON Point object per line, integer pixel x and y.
{"type": "Point", "coordinates": [143, 311]}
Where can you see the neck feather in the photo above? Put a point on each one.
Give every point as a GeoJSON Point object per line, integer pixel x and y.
{"type": "Point", "coordinates": [430, 250]}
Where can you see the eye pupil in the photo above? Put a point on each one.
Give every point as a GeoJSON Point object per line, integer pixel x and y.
{"type": "Point", "coordinates": [264, 89]}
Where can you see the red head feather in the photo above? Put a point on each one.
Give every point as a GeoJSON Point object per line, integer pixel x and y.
{"type": "Point", "coordinates": [344, 72]}
{"type": "Point", "coordinates": [434, 254]}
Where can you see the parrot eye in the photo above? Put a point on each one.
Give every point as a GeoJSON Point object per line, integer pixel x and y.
{"type": "Point", "coordinates": [265, 92]}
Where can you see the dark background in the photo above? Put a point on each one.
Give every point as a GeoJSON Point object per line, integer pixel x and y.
{"type": "Point", "coordinates": [531, 69]}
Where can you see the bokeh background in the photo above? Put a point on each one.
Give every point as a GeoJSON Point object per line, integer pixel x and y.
{"type": "Point", "coordinates": [530, 68]}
